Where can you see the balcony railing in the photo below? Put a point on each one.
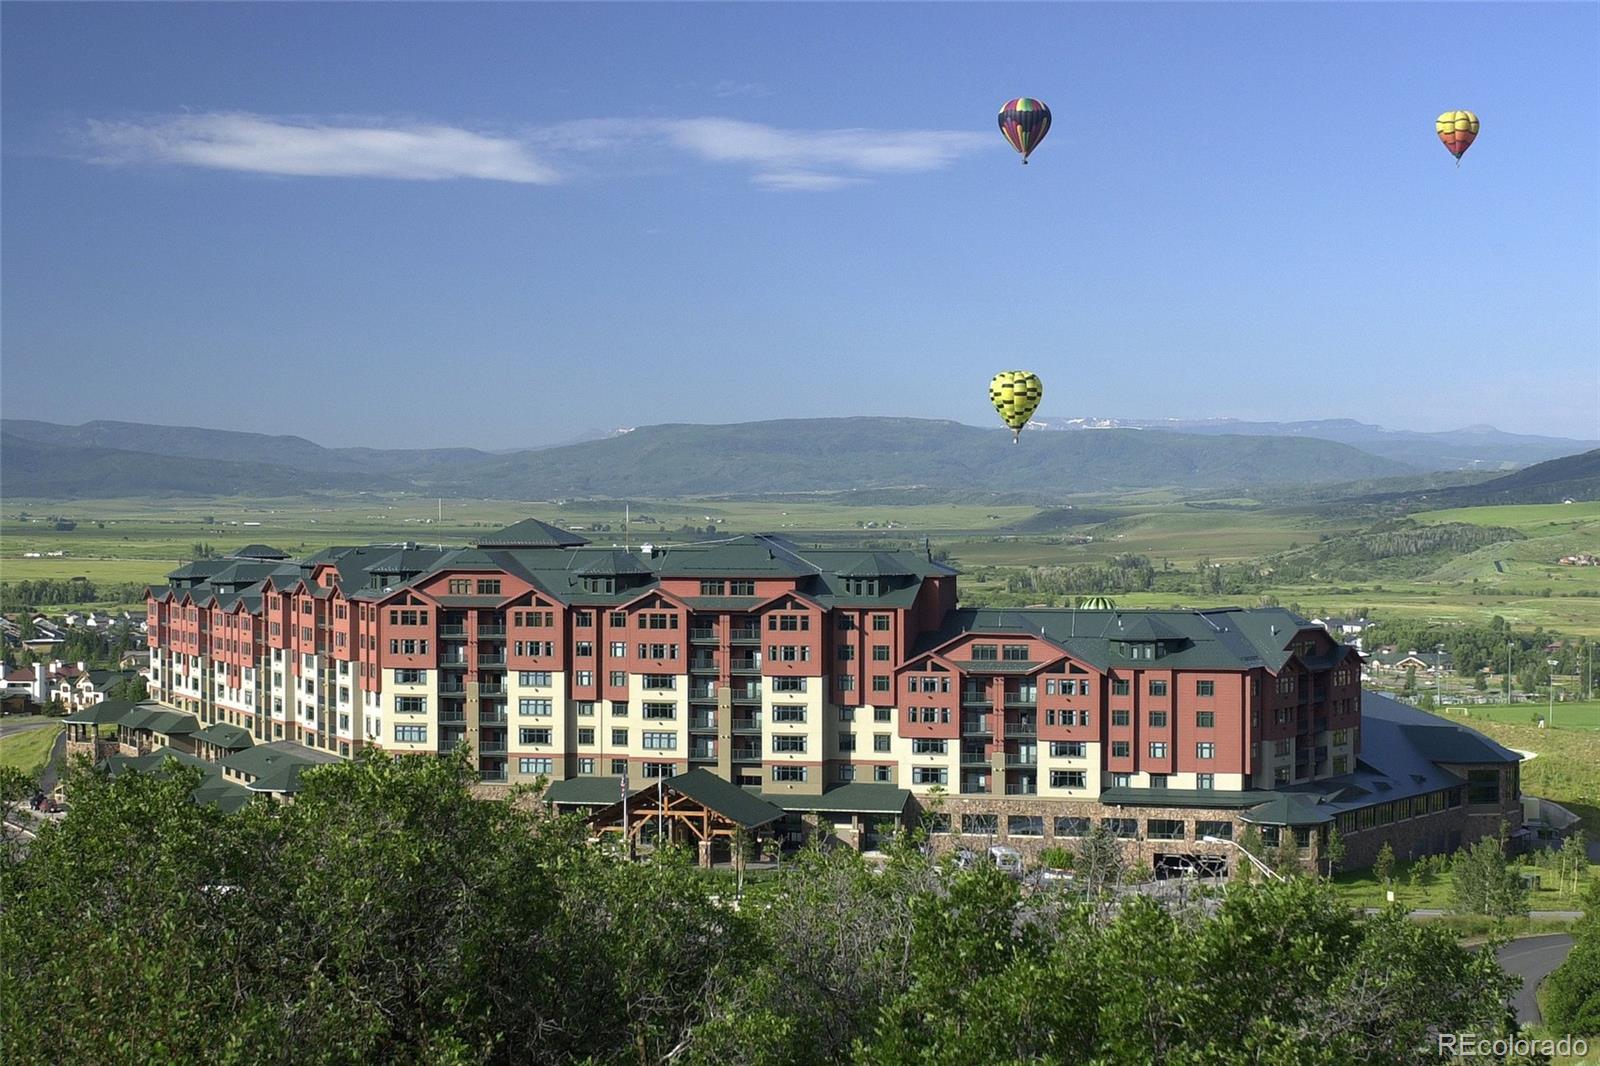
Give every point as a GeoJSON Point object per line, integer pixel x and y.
{"type": "Point", "coordinates": [703, 752]}
{"type": "Point", "coordinates": [492, 717]}
{"type": "Point", "coordinates": [491, 689]}
{"type": "Point", "coordinates": [453, 631]}
{"type": "Point", "coordinates": [747, 695]}
{"type": "Point", "coordinates": [492, 747]}
{"type": "Point", "coordinates": [748, 635]}
{"type": "Point", "coordinates": [453, 690]}
{"type": "Point", "coordinates": [492, 660]}
{"type": "Point", "coordinates": [703, 665]}
{"type": "Point", "coordinates": [703, 636]}
{"type": "Point", "coordinates": [1022, 729]}
{"type": "Point", "coordinates": [747, 666]}
{"type": "Point", "coordinates": [446, 717]}
{"type": "Point", "coordinates": [1022, 788]}
{"type": "Point", "coordinates": [976, 699]}
{"type": "Point", "coordinates": [491, 632]}
{"type": "Point", "coordinates": [702, 692]}
{"type": "Point", "coordinates": [495, 774]}
{"type": "Point", "coordinates": [975, 727]}
{"type": "Point", "coordinates": [702, 721]}
{"type": "Point", "coordinates": [746, 754]}
{"type": "Point", "coordinates": [974, 758]}
{"type": "Point", "coordinates": [747, 725]}
{"type": "Point", "coordinates": [1014, 700]}
{"type": "Point", "coordinates": [1017, 758]}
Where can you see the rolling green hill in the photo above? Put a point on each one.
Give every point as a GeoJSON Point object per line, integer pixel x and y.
{"type": "Point", "coordinates": [1572, 477]}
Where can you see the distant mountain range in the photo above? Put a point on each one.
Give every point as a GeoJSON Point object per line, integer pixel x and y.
{"type": "Point", "coordinates": [800, 455]}
{"type": "Point", "coordinates": [1471, 448]}
{"type": "Point", "coordinates": [824, 455]}
{"type": "Point", "coordinates": [1572, 477]}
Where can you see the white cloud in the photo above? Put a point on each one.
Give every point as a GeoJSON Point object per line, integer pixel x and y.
{"type": "Point", "coordinates": [234, 141]}
{"type": "Point", "coordinates": [793, 159]}
{"type": "Point", "coordinates": [727, 87]}
{"type": "Point", "coordinates": [776, 159]}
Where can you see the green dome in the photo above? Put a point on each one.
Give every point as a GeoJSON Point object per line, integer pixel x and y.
{"type": "Point", "coordinates": [1096, 603]}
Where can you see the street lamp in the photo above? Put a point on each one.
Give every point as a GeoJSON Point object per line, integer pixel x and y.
{"type": "Point", "coordinates": [1550, 719]}
{"type": "Point", "coordinates": [1263, 867]}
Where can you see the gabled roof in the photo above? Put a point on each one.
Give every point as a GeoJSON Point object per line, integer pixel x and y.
{"type": "Point", "coordinates": [276, 766]}
{"type": "Point", "coordinates": [106, 712]}
{"type": "Point", "coordinates": [875, 564]}
{"type": "Point", "coordinates": [584, 791]}
{"type": "Point", "coordinates": [724, 797]}
{"type": "Point", "coordinates": [258, 551]}
{"type": "Point", "coordinates": [854, 798]}
{"type": "Point", "coordinates": [612, 564]}
{"type": "Point", "coordinates": [530, 533]}
{"type": "Point", "coordinates": [1141, 627]}
{"type": "Point", "coordinates": [225, 736]}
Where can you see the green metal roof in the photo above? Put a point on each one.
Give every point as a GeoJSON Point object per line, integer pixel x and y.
{"type": "Point", "coordinates": [1291, 808]}
{"type": "Point", "coordinates": [855, 798]}
{"type": "Point", "coordinates": [1221, 799]}
{"type": "Point", "coordinates": [225, 736]}
{"type": "Point", "coordinates": [276, 766]}
{"type": "Point", "coordinates": [725, 797]}
{"type": "Point", "coordinates": [530, 533]}
{"type": "Point", "coordinates": [106, 712]}
{"type": "Point", "coordinates": [584, 791]}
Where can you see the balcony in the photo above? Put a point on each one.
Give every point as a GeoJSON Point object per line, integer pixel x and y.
{"type": "Point", "coordinates": [453, 631]}
{"type": "Point", "coordinates": [1022, 758]}
{"type": "Point", "coordinates": [492, 773]}
{"type": "Point", "coordinates": [747, 665]}
{"type": "Point", "coordinates": [492, 632]}
{"type": "Point", "coordinates": [703, 692]}
{"type": "Point", "coordinates": [447, 717]}
{"type": "Point", "coordinates": [492, 747]}
{"type": "Point", "coordinates": [1028, 728]}
{"type": "Point", "coordinates": [492, 659]}
{"type": "Point", "coordinates": [975, 786]}
{"type": "Point", "coordinates": [457, 689]}
{"type": "Point", "coordinates": [456, 660]}
{"type": "Point", "coordinates": [975, 758]}
{"type": "Point", "coordinates": [976, 699]}
{"type": "Point", "coordinates": [497, 717]}
{"type": "Point", "coordinates": [746, 635]}
{"type": "Point", "coordinates": [702, 751]}
{"type": "Point", "coordinates": [747, 695]}
{"type": "Point", "coordinates": [702, 636]}
{"type": "Point", "coordinates": [751, 724]}
{"type": "Point", "coordinates": [703, 665]}
{"type": "Point", "coordinates": [1015, 700]}
{"type": "Point", "coordinates": [978, 726]}
{"type": "Point", "coordinates": [702, 721]}
{"type": "Point", "coordinates": [1022, 788]}
{"type": "Point", "coordinates": [491, 688]}
{"type": "Point", "coordinates": [746, 753]}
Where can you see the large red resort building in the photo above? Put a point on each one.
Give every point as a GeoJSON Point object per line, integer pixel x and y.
{"type": "Point", "coordinates": [839, 685]}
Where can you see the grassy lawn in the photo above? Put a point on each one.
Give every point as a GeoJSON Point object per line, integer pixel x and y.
{"type": "Point", "coordinates": [1361, 889]}
{"type": "Point", "coordinates": [1580, 715]}
{"type": "Point", "coordinates": [28, 751]}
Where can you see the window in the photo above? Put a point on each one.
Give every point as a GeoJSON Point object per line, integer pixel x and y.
{"type": "Point", "coordinates": [460, 586]}
{"type": "Point", "coordinates": [488, 586]}
{"type": "Point", "coordinates": [1069, 779]}
{"type": "Point", "coordinates": [536, 766]}
{"type": "Point", "coordinates": [980, 824]}
{"type": "Point", "coordinates": [880, 684]}
{"type": "Point", "coordinates": [583, 619]}
{"type": "Point", "coordinates": [534, 678]}
{"type": "Point", "coordinates": [1205, 719]}
{"type": "Point", "coordinates": [411, 734]}
{"type": "Point", "coordinates": [411, 677]}
{"type": "Point", "coordinates": [1158, 688]}
{"type": "Point", "coordinates": [1025, 825]}
{"type": "Point", "coordinates": [1158, 750]}
{"type": "Point", "coordinates": [1483, 786]}
{"type": "Point", "coordinates": [1205, 750]}
{"type": "Point", "coordinates": [1126, 828]}
{"type": "Point", "coordinates": [741, 588]}
{"type": "Point", "coordinates": [660, 711]}
{"type": "Point", "coordinates": [985, 653]}
{"type": "Point", "coordinates": [618, 678]}
{"type": "Point", "coordinates": [1121, 780]}
{"type": "Point", "coordinates": [788, 713]}
{"type": "Point", "coordinates": [1072, 827]}
{"type": "Point", "coordinates": [788, 684]}
{"type": "Point", "coordinates": [788, 744]}
{"type": "Point", "coordinates": [619, 619]}
{"type": "Point", "coordinates": [654, 770]}
{"type": "Point", "coordinates": [619, 649]}
{"type": "Point", "coordinates": [927, 746]}
{"type": "Point", "coordinates": [1119, 688]}
{"type": "Point", "coordinates": [880, 623]}
{"type": "Point", "coordinates": [539, 708]}
{"type": "Point", "coordinates": [880, 742]}
{"type": "Point", "coordinates": [584, 678]}
{"type": "Point", "coordinates": [586, 735]}
{"type": "Point", "coordinates": [1158, 719]}
{"type": "Point", "coordinates": [1205, 688]}
{"type": "Point", "coordinates": [882, 774]}
{"type": "Point", "coordinates": [1281, 747]}
{"type": "Point", "coordinates": [583, 648]}
{"type": "Point", "coordinates": [790, 773]}
{"type": "Point", "coordinates": [929, 775]}
{"type": "Point", "coordinates": [1220, 830]}
{"type": "Point", "coordinates": [533, 736]}
{"type": "Point", "coordinates": [660, 741]}
{"type": "Point", "coordinates": [713, 588]}
{"type": "Point", "coordinates": [880, 653]}
{"type": "Point", "coordinates": [1119, 749]}
{"type": "Point", "coordinates": [619, 767]}
{"type": "Point", "coordinates": [585, 766]}
{"type": "Point", "coordinates": [660, 682]}
{"type": "Point", "coordinates": [845, 653]}
{"type": "Point", "coordinates": [1341, 764]}
{"type": "Point", "coordinates": [1341, 737]}
{"type": "Point", "coordinates": [1166, 829]}
{"type": "Point", "coordinates": [1067, 749]}
{"type": "Point", "coordinates": [1158, 781]}
{"type": "Point", "coordinates": [1119, 717]}
{"type": "Point", "coordinates": [584, 708]}
{"type": "Point", "coordinates": [847, 742]}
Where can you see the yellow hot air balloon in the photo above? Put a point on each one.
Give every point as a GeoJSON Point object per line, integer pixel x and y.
{"type": "Point", "coordinates": [1457, 129]}
{"type": "Point", "coordinates": [1016, 395]}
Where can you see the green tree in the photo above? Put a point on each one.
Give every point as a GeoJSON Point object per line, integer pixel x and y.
{"type": "Point", "coordinates": [1333, 849]}
{"type": "Point", "coordinates": [1383, 865]}
{"type": "Point", "coordinates": [133, 689]}
{"type": "Point", "coordinates": [1484, 882]}
{"type": "Point", "coordinates": [1410, 687]}
{"type": "Point", "coordinates": [1572, 992]}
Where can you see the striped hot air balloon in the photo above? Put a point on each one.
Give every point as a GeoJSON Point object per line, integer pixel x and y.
{"type": "Point", "coordinates": [1457, 129]}
{"type": "Point", "coordinates": [1024, 121]}
{"type": "Point", "coordinates": [1016, 395]}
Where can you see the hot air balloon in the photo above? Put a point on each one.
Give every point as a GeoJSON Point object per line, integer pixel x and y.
{"type": "Point", "coordinates": [1024, 121]}
{"type": "Point", "coordinates": [1457, 129]}
{"type": "Point", "coordinates": [1016, 395]}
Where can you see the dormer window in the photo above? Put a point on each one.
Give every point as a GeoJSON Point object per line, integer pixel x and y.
{"type": "Point", "coordinates": [600, 584]}
{"type": "Point", "coordinates": [1140, 649]}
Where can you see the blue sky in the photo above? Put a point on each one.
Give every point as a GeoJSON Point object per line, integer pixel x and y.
{"type": "Point", "coordinates": [507, 224]}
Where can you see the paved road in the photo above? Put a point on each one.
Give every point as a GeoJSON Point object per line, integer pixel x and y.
{"type": "Point", "coordinates": [1533, 958]}
{"type": "Point", "coordinates": [52, 768]}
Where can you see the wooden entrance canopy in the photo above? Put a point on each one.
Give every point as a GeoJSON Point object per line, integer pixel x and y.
{"type": "Point", "coordinates": [697, 806]}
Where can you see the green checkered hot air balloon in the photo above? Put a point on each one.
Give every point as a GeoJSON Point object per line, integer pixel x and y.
{"type": "Point", "coordinates": [1016, 395]}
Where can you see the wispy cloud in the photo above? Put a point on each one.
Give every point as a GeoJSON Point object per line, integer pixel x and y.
{"type": "Point", "coordinates": [263, 145]}
{"type": "Point", "coordinates": [778, 159]}
{"type": "Point", "coordinates": [781, 156]}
